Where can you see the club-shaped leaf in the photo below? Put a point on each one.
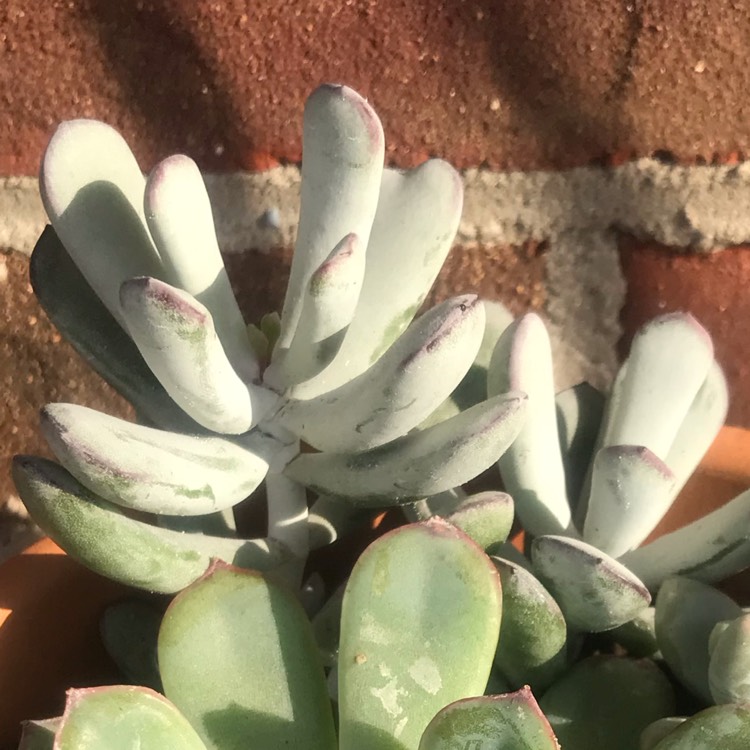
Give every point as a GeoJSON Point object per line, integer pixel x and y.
{"type": "Point", "coordinates": [401, 659]}
{"type": "Point", "coordinates": [631, 490]}
{"type": "Point", "coordinates": [532, 469]}
{"type": "Point", "coordinates": [92, 190]}
{"type": "Point", "coordinates": [606, 702]}
{"type": "Point", "coordinates": [147, 469]}
{"type": "Point", "coordinates": [100, 536]}
{"type": "Point", "coordinates": [176, 336]}
{"type": "Point", "coordinates": [709, 549]}
{"type": "Point", "coordinates": [700, 426]}
{"type": "Point", "coordinates": [179, 216]}
{"type": "Point", "coordinates": [393, 396]}
{"type": "Point", "coordinates": [238, 658]}
{"type": "Point", "coordinates": [729, 665]}
{"type": "Point", "coordinates": [421, 463]}
{"type": "Point", "coordinates": [495, 722]}
{"type": "Point", "coordinates": [637, 636]}
{"type": "Point", "coordinates": [129, 631]}
{"type": "Point", "coordinates": [579, 416]}
{"type": "Point", "coordinates": [342, 165]}
{"type": "Point", "coordinates": [416, 220]}
{"type": "Point", "coordinates": [686, 613]}
{"type": "Point", "coordinates": [330, 301]}
{"type": "Point", "coordinates": [726, 727]}
{"type": "Point", "coordinates": [533, 635]}
{"type": "Point", "coordinates": [594, 591]}
{"type": "Point", "coordinates": [486, 517]}
{"type": "Point", "coordinates": [668, 363]}
{"type": "Point", "coordinates": [96, 335]}
{"type": "Point", "coordinates": [122, 717]}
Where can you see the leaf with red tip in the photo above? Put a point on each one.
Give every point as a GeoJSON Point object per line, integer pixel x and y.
{"type": "Point", "coordinates": [512, 721]}
{"type": "Point", "coordinates": [726, 727]}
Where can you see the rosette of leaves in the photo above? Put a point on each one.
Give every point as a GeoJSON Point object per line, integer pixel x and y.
{"type": "Point", "coordinates": [130, 272]}
{"type": "Point", "coordinates": [591, 477]}
{"type": "Point", "coordinates": [239, 666]}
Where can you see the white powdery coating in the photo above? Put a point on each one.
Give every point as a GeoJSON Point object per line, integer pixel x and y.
{"type": "Point", "coordinates": [374, 632]}
{"type": "Point", "coordinates": [389, 696]}
{"type": "Point", "coordinates": [425, 673]}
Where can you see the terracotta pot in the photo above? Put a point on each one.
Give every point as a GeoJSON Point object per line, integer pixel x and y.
{"type": "Point", "coordinates": [50, 608]}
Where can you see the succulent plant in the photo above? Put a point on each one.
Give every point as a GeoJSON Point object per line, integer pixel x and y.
{"type": "Point", "coordinates": [240, 667]}
{"type": "Point", "coordinates": [130, 271]}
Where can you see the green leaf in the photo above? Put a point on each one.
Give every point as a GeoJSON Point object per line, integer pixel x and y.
{"type": "Point", "coordinates": [82, 318]}
{"type": "Point", "coordinates": [486, 517]}
{"type": "Point", "coordinates": [178, 213]}
{"type": "Point", "coordinates": [342, 165]}
{"type": "Point", "coordinates": [631, 490]}
{"type": "Point", "coordinates": [421, 463]}
{"type": "Point", "coordinates": [533, 635]}
{"type": "Point", "coordinates": [92, 190]}
{"type": "Point", "coordinates": [498, 722]}
{"type": "Point", "coordinates": [532, 468]}
{"type": "Point", "coordinates": [175, 334]}
{"type": "Point", "coordinates": [328, 307]}
{"type": "Point", "coordinates": [129, 631]}
{"type": "Point", "coordinates": [658, 730]}
{"type": "Point", "coordinates": [148, 469]}
{"type": "Point", "coordinates": [402, 388]}
{"type": "Point", "coordinates": [709, 549]}
{"type": "Point", "coordinates": [594, 591]}
{"type": "Point", "coordinates": [238, 657]}
{"type": "Point", "coordinates": [417, 217]}
{"type": "Point", "coordinates": [668, 363]}
{"type": "Point", "coordinates": [39, 735]}
{"type": "Point", "coordinates": [99, 535]}
{"type": "Point", "coordinates": [419, 628]}
{"type": "Point", "coordinates": [726, 727]}
{"type": "Point", "coordinates": [123, 717]}
{"type": "Point", "coordinates": [686, 613]}
{"type": "Point", "coordinates": [638, 636]}
{"type": "Point", "coordinates": [606, 702]}
{"type": "Point", "coordinates": [729, 666]}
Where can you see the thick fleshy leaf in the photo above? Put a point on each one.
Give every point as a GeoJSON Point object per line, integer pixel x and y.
{"type": "Point", "coordinates": [100, 536]}
{"type": "Point", "coordinates": [92, 190]}
{"type": "Point", "coordinates": [39, 735]}
{"type": "Point", "coordinates": [328, 307]}
{"type": "Point", "coordinates": [638, 636]}
{"type": "Point", "coordinates": [594, 591]}
{"type": "Point", "coordinates": [179, 216]}
{"type": "Point", "coordinates": [729, 665]}
{"type": "Point", "coordinates": [655, 732]}
{"type": "Point", "coordinates": [668, 363]}
{"type": "Point", "coordinates": [342, 165]}
{"type": "Point", "coordinates": [82, 318]}
{"type": "Point", "coordinates": [486, 517]}
{"type": "Point", "coordinates": [631, 490]}
{"type": "Point", "coordinates": [606, 702]}
{"type": "Point", "coordinates": [401, 659]}
{"type": "Point", "coordinates": [123, 717]}
{"type": "Point", "coordinates": [532, 469]}
{"type": "Point", "coordinates": [327, 627]}
{"type": "Point", "coordinates": [533, 635]}
{"type": "Point", "coordinates": [394, 395]}
{"type": "Point", "coordinates": [579, 416]}
{"type": "Point", "coordinates": [147, 469]}
{"type": "Point", "coordinates": [686, 613]}
{"type": "Point", "coordinates": [416, 220]}
{"type": "Point", "coordinates": [709, 549]}
{"type": "Point", "coordinates": [238, 658]}
{"type": "Point", "coordinates": [175, 334]}
{"type": "Point", "coordinates": [726, 727]}
{"type": "Point", "coordinates": [494, 722]}
{"type": "Point", "coordinates": [700, 426]}
{"type": "Point", "coordinates": [129, 631]}
{"type": "Point", "coordinates": [421, 463]}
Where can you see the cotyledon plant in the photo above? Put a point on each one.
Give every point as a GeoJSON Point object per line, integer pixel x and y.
{"type": "Point", "coordinates": [130, 271]}
{"type": "Point", "coordinates": [239, 666]}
